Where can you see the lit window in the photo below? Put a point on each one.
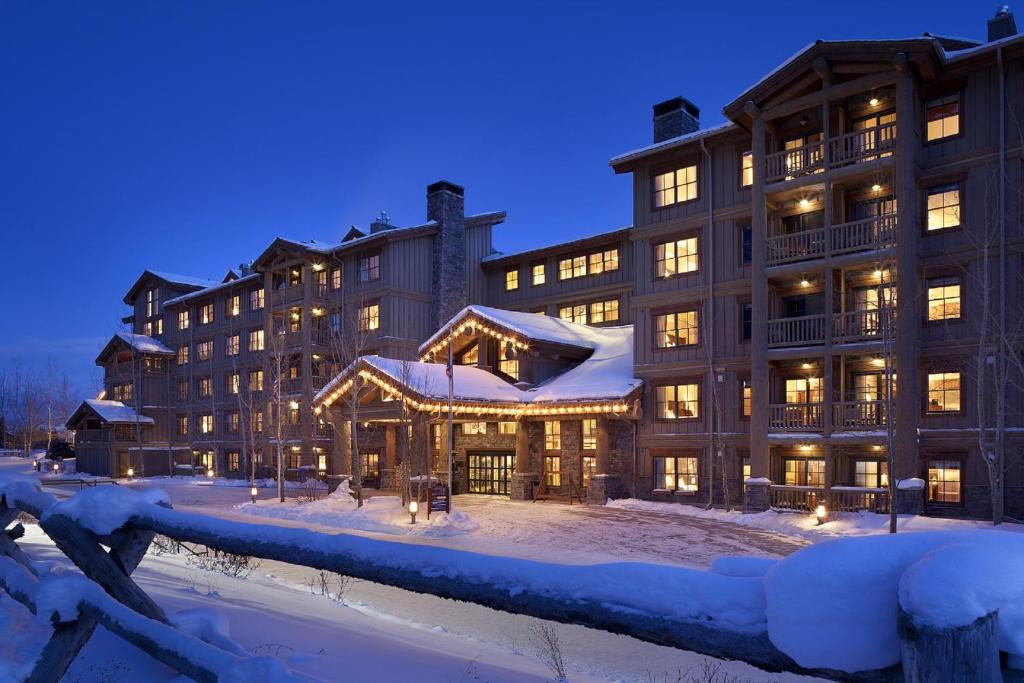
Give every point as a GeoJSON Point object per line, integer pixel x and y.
{"type": "Point", "coordinates": [232, 421]}
{"type": "Point", "coordinates": [804, 472]}
{"type": "Point", "coordinates": [604, 312]}
{"type": "Point", "coordinates": [589, 435]}
{"type": "Point", "coordinates": [589, 469]}
{"type": "Point", "coordinates": [147, 329]}
{"type": "Point", "coordinates": [943, 117]}
{"type": "Point", "coordinates": [506, 428]}
{"type": "Point", "coordinates": [944, 481]}
{"type": "Point", "coordinates": [183, 355]}
{"type": "Point", "coordinates": [205, 387]}
{"type": "Point", "coordinates": [232, 382]}
{"type": "Point", "coordinates": [944, 207]}
{"type": "Point", "coordinates": [553, 470]}
{"type": "Point", "coordinates": [122, 392]}
{"type": "Point", "coordinates": [677, 329]}
{"type": "Point", "coordinates": [747, 397]}
{"type": "Point", "coordinates": [679, 256]}
{"type": "Point", "coordinates": [152, 302]}
{"type": "Point", "coordinates": [676, 474]}
{"type": "Point", "coordinates": [675, 186]}
{"type": "Point", "coordinates": [255, 380]}
{"type": "Point", "coordinates": [872, 474]}
{"type": "Point", "coordinates": [182, 425]}
{"type": "Point", "coordinates": [747, 169]}
{"type": "Point", "coordinates": [369, 317]}
{"type": "Point", "coordinates": [232, 344]}
{"type": "Point", "coordinates": [471, 356]}
{"type": "Point", "coordinates": [256, 300]}
{"type": "Point", "coordinates": [575, 314]}
{"type": "Point", "coordinates": [804, 390]}
{"type": "Point", "coordinates": [206, 314]}
{"type": "Point", "coordinates": [206, 424]}
{"type": "Point", "coordinates": [204, 350]}
{"type": "Point", "coordinates": [369, 268]}
{"type": "Point", "coordinates": [257, 421]}
{"type": "Point", "coordinates": [944, 299]}
{"type": "Point", "coordinates": [435, 431]}
{"type": "Point", "coordinates": [943, 392]}
{"type": "Point", "coordinates": [234, 461]}
{"type": "Point", "coordinates": [474, 428]}
{"type": "Point", "coordinates": [510, 367]}
{"type": "Point", "coordinates": [183, 319]}
{"type": "Point", "coordinates": [256, 340]}
{"type": "Point", "coordinates": [552, 435]}
{"type": "Point", "coordinates": [565, 269]}
{"type": "Point", "coordinates": [233, 306]}
{"type": "Point", "coordinates": [511, 279]}
{"type": "Point", "coordinates": [677, 401]}
{"type": "Point", "coordinates": [539, 274]}
{"type": "Point", "coordinates": [603, 261]}
{"type": "Point", "coordinates": [336, 278]}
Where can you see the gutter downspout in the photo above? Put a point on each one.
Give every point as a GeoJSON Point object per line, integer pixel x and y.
{"type": "Point", "coordinates": [1001, 354]}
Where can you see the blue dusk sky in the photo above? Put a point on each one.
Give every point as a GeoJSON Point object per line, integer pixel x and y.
{"type": "Point", "coordinates": [184, 136]}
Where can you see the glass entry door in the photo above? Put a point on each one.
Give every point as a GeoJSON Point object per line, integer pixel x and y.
{"type": "Point", "coordinates": [490, 472]}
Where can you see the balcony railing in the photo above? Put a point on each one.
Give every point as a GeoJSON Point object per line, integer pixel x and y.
{"type": "Point", "coordinates": [320, 336]}
{"type": "Point", "coordinates": [795, 162]}
{"type": "Point", "coordinates": [795, 417]}
{"type": "Point", "coordinates": [858, 415]}
{"type": "Point", "coordinates": [807, 329]}
{"type": "Point", "coordinates": [796, 498]}
{"type": "Point", "coordinates": [287, 294]}
{"type": "Point", "coordinates": [796, 246]}
{"type": "Point", "coordinates": [292, 385]}
{"type": "Point", "coordinates": [867, 325]}
{"type": "Point", "coordinates": [876, 232]}
{"type": "Point", "coordinates": [862, 145]}
{"type": "Point", "coordinates": [858, 498]}
{"type": "Point", "coordinates": [323, 430]}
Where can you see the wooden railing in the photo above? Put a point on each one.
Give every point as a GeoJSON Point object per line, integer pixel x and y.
{"type": "Point", "coordinates": [807, 329]}
{"type": "Point", "coordinates": [857, 498]}
{"type": "Point", "coordinates": [866, 325]}
{"type": "Point", "coordinates": [84, 436]}
{"type": "Point", "coordinates": [858, 415]}
{"type": "Point", "coordinates": [862, 145]}
{"type": "Point", "coordinates": [795, 498]}
{"type": "Point", "coordinates": [291, 386]}
{"type": "Point", "coordinates": [287, 294]}
{"type": "Point", "coordinates": [796, 246]}
{"type": "Point", "coordinates": [320, 336]}
{"type": "Point", "coordinates": [796, 417]}
{"type": "Point", "coordinates": [792, 163]}
{"type": "Point", "coordinates": [323, 430]}
{"type": "Point", "coordinates": [876, 232]}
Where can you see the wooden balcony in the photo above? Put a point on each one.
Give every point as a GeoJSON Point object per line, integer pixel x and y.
{"type": "Point", "coordinates": [862, 145]}
{"type": "Point", "coordinates": [855, 147]}
{"type": "Point", "coordinates": [292, 385]}
{"type": "Point", "coordinates": [858, 415]}
{"type": "Point", "coordinates": [868, 234]}
{"type": "Point", "coordinates": [795, 417]}
{"type": "Point", "coordinates": [323, 430]}
{"type": "Point", "coordinates": [796, 498]}
{"type": "Point", "coordinates": [876, 232]}
{"type": "Point", "coordinates": [321, 336]}
{"type": "Point", "coordinates": [866, 325]}
{"type": "Point", "coordinates": [857, 499]}
{"type": "Point", "coordinates": [286, 295]}
{"type": "Point", "coordinates": [803, 331]}
{"type": "Point", "coordinates": [793, 163]}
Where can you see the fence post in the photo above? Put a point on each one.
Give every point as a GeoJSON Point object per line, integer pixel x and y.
{"type": "Point", "coordinates": [961, 653]}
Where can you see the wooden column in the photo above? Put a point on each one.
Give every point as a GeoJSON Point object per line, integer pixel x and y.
{"type": "Point", "coordinates": [759, 303]}
{"type": "Point", "coordinates": [603, 461]}
{"type": "Point", "coordinates": [908, 396]}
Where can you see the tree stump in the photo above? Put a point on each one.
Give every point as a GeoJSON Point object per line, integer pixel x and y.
{"type": "Point", "coordinates": [961, 653]}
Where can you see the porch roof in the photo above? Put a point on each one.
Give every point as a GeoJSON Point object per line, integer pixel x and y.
{"type": "Point", "coordinates": [111, 412]}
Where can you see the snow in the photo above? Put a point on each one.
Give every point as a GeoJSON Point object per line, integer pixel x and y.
{"type": "Point", "coordinates": [758, 480]}
{"type": "Point", "coordinates": [102, 509]}
{"type": "Point", "coordinates": [743, 566]}
{"type": "Point", "coordinates": [252, 277]}
{"type": "Point", "coordinates": [189, 280]}
{"type": "Point", "coordinates": [566, 246]}
{"type": "Point", "coordinates": [115, 412]}
{"type": "Point", "coordinates": [911, 484]}
{"type": "Point", "coordinates": [673, 142]}
{"type": "Point", "coordinates": [833, 605]}
{"type": "Point", "coordinates": [382, 514]}
{"type": "Point", "coordinates": [144, 344]}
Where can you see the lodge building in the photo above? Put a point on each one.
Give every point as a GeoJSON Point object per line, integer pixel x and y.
{"type": "Point", "coordinates": [854, 226]}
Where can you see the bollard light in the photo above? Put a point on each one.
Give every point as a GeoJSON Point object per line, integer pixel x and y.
{"type": "Point", "coordinates": [413, 509]}
{"type": "Point", "coordinates": [56, 467]}
{"type": "Point", "coordinates": [131, 472]}
{"type": "Point", "coordinates": [252, 492]}
{"type": "Point", "coordinates": [209, 473]}
{"type": "Point", "coordinates": [821, 512]}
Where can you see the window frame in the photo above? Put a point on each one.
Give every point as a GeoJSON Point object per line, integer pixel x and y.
{"type": "Point", "coordinates": [512, 279]}
{"type": "Point", "coordinates": [944, 458]}
{"type": "Point", "coordinates": [949, 280]}
{"type": "Point", "coordinates": [926, 394]}
{"type": "Point", "coordinates": [659, 475]}
{"type": "Point", "coordinates": [687, 382]}
{"type": "Point", "coordinates": [543, 274]}
{"type": "Point", "coordinates": [674, 241]}
{"type": "Point", "coordinates": [744, 153]}
{"type": "Point", "coordinates": [372, 273]}
{"type": "Point", "coordinates": [675, 169]}
{"type": "Point", "coordinates": [959, 94]}
{"type": "Point", "coordinates": [656, 326]}
{"type": "Point", "coordinates": [958, 185]}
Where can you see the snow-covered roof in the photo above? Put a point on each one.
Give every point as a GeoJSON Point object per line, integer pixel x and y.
{"type": "Point", "coordinates": [111, 412]}
{"type": "Point", "coordinates": [673, 142]}
{"type": "Point", "coordinates": [213, 288]}
{"type": "Point", "coordinates": [189, 280]}
{"type": "Point", "coordinates": [144, 344]}
{"type": "Point", "coordinates": [606, 374]}
{"type": "Point", "coordinates": [565, 246]}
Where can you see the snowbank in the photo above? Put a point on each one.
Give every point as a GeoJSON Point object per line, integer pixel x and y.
{"type": "Point", "coordinates": [833, 605]}
{"type": "Point", "coordinates": [104, 509]}
{"type": "Point", "coordinates": [382, 514]}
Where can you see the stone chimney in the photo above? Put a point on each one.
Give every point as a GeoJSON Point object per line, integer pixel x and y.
{"type": "Point", "coordinates": [675, 117]}
{"type": "Point", "coordinates": [446, 206]}
{"type": "Point", "coordinates": [244, 269]}
{"type": "Point", "coordinates": [1002, 25]}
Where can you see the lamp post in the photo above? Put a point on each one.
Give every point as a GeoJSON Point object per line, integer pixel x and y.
{"type": "Point", "coordinates": [209, 473]}
{"type": "Point", "coordinates": [821, 512]}
{"type": "Point", "coordinates": [252, 492]}
{"type": "Point", "coordinates": [413, 509]}
{"type": "Point", "coordinates": [131, 472]}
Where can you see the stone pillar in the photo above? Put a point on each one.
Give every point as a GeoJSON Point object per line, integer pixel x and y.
{"type": "Point", "coordinates": [524, 475]}
{"type": "Point", "coordinates": [907, 403]}
{"type": "Point", "coordinates": [603, 464]}
{"type": "Point", "coordinates": [388, 472]}
{"type": "Point", "coordinates": [604, 484]}
{"type": "Point", "coordinates": [759, 303]}
{"type": "Point", "coordinates": [756, 496]}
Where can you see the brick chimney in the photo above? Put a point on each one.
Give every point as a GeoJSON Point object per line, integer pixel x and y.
{"type": "Point", "coordinates": [1002, 25]}
{"type": "Point", "coordinates": [446, 206]}
{"type": "Point", "coordinates": [675, 117]}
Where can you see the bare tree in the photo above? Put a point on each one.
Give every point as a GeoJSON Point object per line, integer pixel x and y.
{"type": "Point", "coordinates": [276, 347]}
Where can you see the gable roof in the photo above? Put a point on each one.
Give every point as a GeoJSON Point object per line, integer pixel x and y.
{"type": "Point", "coordinates": [245, 279]}
{"type": "Point", "coordinates": [581, 243]}
{"type": "Point", "coordinates": [315, 247]}
{"type": "Point", "coordinates": [111, 412]}
{"type": "Point", "coordinates": [186, 282]}
{"type": "Point", "coordinates": [138, 342]}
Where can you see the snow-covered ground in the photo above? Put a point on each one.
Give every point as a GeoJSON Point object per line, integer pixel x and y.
{"type": "Point", "coordinates": [377, 633]}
